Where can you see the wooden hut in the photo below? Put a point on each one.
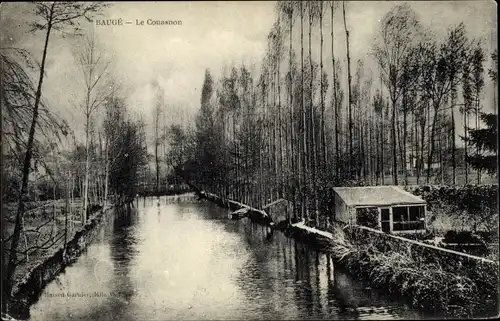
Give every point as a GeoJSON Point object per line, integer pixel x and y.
{"type": "Point", "coordinates": [386, 208]}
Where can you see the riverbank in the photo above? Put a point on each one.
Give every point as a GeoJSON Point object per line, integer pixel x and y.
{"type": "Point", "coordinates": [432, 279]}
{"type": "Point", "coordinates": [441, 283]}
{"type": "Point", "coordinates": [254, 214]}
{"type": "Point", "coordinates": [45, 227]}
{"type": "Point", "coordinates": [27, 290]}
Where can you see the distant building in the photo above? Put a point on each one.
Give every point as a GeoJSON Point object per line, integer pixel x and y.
{"type": "Point", "coordinates": [445, 160]}
{"type": "Point", "coordinates": [386, 208]}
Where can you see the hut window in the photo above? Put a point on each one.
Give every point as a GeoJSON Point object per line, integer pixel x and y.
{"type": "Point", "coordinates": [417, 217]}
{"type": "Point", "coordinates": [416, 213]}
{"type": "Point", "coordinates": [408, 218]}
{"type": "Point", "coordinates": [367, 216]}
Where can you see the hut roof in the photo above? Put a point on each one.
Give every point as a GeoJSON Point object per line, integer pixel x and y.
{"type": "Point", "coordinates": [376, 196]}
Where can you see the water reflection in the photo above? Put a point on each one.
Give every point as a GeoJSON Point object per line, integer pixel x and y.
{"type": "Point", "coordinates": [122, 253]}
{"type": "Point", "coordinates": [176, 260]}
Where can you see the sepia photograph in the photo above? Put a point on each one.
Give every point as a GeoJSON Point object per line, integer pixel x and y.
{"type": "Point", "coordinates": [249, 160]}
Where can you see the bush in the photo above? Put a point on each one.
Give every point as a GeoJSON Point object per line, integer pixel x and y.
{"type": "Point", "coordinates": [461, 237]}
{"type": "Point", "coordinates": [461, 208]}
{"type": "Point", "coordinates": [470, 198]}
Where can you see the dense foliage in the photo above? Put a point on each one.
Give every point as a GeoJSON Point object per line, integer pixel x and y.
{"type": "Point", "coordinates": [290, 130]}
{"type": "Point", "coordinates": [485, 140]}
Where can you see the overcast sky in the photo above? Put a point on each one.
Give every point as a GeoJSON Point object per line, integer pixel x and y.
{"type": "Point", "coordinates": [213, 34]}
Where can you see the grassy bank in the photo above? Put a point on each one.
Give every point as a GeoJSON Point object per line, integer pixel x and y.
{"type": "Point", "coordinates": [430, 283]}
{"type": "Point", "coordinates": [28, 289]}
{"type": "Point", "coordinates": [441, 285]}
{"type": "Point", "coordinates": [44, 232]}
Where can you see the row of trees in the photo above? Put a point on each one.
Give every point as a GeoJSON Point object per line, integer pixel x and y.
{"type": "Point", "coordinates": [299, 128]}
{"type": "Point", "coordinates": [168, 127]}
{"type": "Point", "coordinates": [39, 145]}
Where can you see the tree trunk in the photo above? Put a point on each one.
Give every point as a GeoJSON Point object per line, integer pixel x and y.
{"type": "Point", "coordinates": [293, 137]}
{"type": "Point", "coordinates": [336, 120]}
{"type": "Point", "coordinates": [349, 95]}
{"type": "Point", "coordinates": [453, 142]}
{"type": "Point", "coordinates": [405, 135]}
{"type": "Point", "coordinates": [235, 189]}
{"type": "Point", "coordinates": [370, 148]}
{"type": "Point", "coordinates": [378, 166]}
{"type": "Point", "coordinates": [11, 266]}
{"type": "Point", "coordinates": [313, 128]}
{"type": "Point", "coordinates": [466, 143]}
{"type": "Point", "coordinates": [106, 175]}
{"type": "Point", "coordinates": [280, 133]}
{"type": "Point", "coordinates": [422, 144]}
{"type": "Point", "coordinates": [399, 140]}
{"type": "Point", "coordinates": [277, 178]}
{"type": "Point", "coordinates": [382, 145]}
{"type": "Point", "coordinates": [324, 150]}
{"type": "Point", "coordinates": [441, 163]}
{"type": "Point", "coordinates": [304, 209]}
{"type": "Point", "coordinates": [261, 161]}
{"type": "Point", "coordinates": [477, 149]}
{"type": "Point", "coordinates": [432, 145]}
{"type": "Point", "coordinates": [157, 161]}
{"type": "Point", "coordinates": [394, 144]}
{"type": "Point", "coordinates": [416, 149]}
{"type": "Point", "coordinates": [66, 211]}
{"type": "Point", "coordinates": [87, 167]}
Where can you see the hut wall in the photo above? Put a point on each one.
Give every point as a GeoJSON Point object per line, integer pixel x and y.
{"type": "Point", "coordinates": [342, 211]}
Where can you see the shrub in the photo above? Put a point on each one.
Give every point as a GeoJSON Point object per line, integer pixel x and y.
{"type": "Point", "coordinates": [463, 208]}
{"type": "Point", "coordinates": [472, 199]}
{"type": "Point", "coordinates": [461, 237]}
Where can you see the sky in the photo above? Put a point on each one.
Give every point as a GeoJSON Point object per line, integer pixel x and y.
{"type": "Point", "coordinates": [212, 35]}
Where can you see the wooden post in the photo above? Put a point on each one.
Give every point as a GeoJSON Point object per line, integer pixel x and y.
{"type": "Point", "coordinates": [425, 217]}
{"type": "Point", "coordinates": [54, 222]}
{"type": "Point", "coordinates": [67, 207]}
{"type": "Point", "coordinates": [391, 221]}
{"type": "Point", "coordinates": [379, 218]}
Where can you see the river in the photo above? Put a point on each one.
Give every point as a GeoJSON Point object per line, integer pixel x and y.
{"type": "Point", "coordinates": [187, 260]}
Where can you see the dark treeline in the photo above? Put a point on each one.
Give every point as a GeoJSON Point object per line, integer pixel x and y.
{"type": "Point", "coordinates": [299, 128]}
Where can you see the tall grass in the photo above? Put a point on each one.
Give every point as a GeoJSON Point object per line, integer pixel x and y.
{"type": "Point", "coordinates": [443, 218]}
{"type": "Point", "coordinates": [430, 286]}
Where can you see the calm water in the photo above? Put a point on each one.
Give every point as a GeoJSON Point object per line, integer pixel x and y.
{"type": "Point", "coordinates": [188, 261]}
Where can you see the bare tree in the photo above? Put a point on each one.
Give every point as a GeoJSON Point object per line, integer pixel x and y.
{"type": "Point", "coordinates": [303, 130]}
{"type": "Point", "coordinates": [349, 94]}
{"type": "Point", "coordinates": [333, 5]}
{"type": "Point", "coordinates": [399, 30]}
{"type": "Point", "coordinates": [439, 76]}
{"type": "Point", "coordinates": [456, 36]}
{"type": "Point", "coordinates": [159, 108]}
{"type": "Point", "coordinates": [95, 71]}
{"type": "Point", "coordinates": [288, 12]}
